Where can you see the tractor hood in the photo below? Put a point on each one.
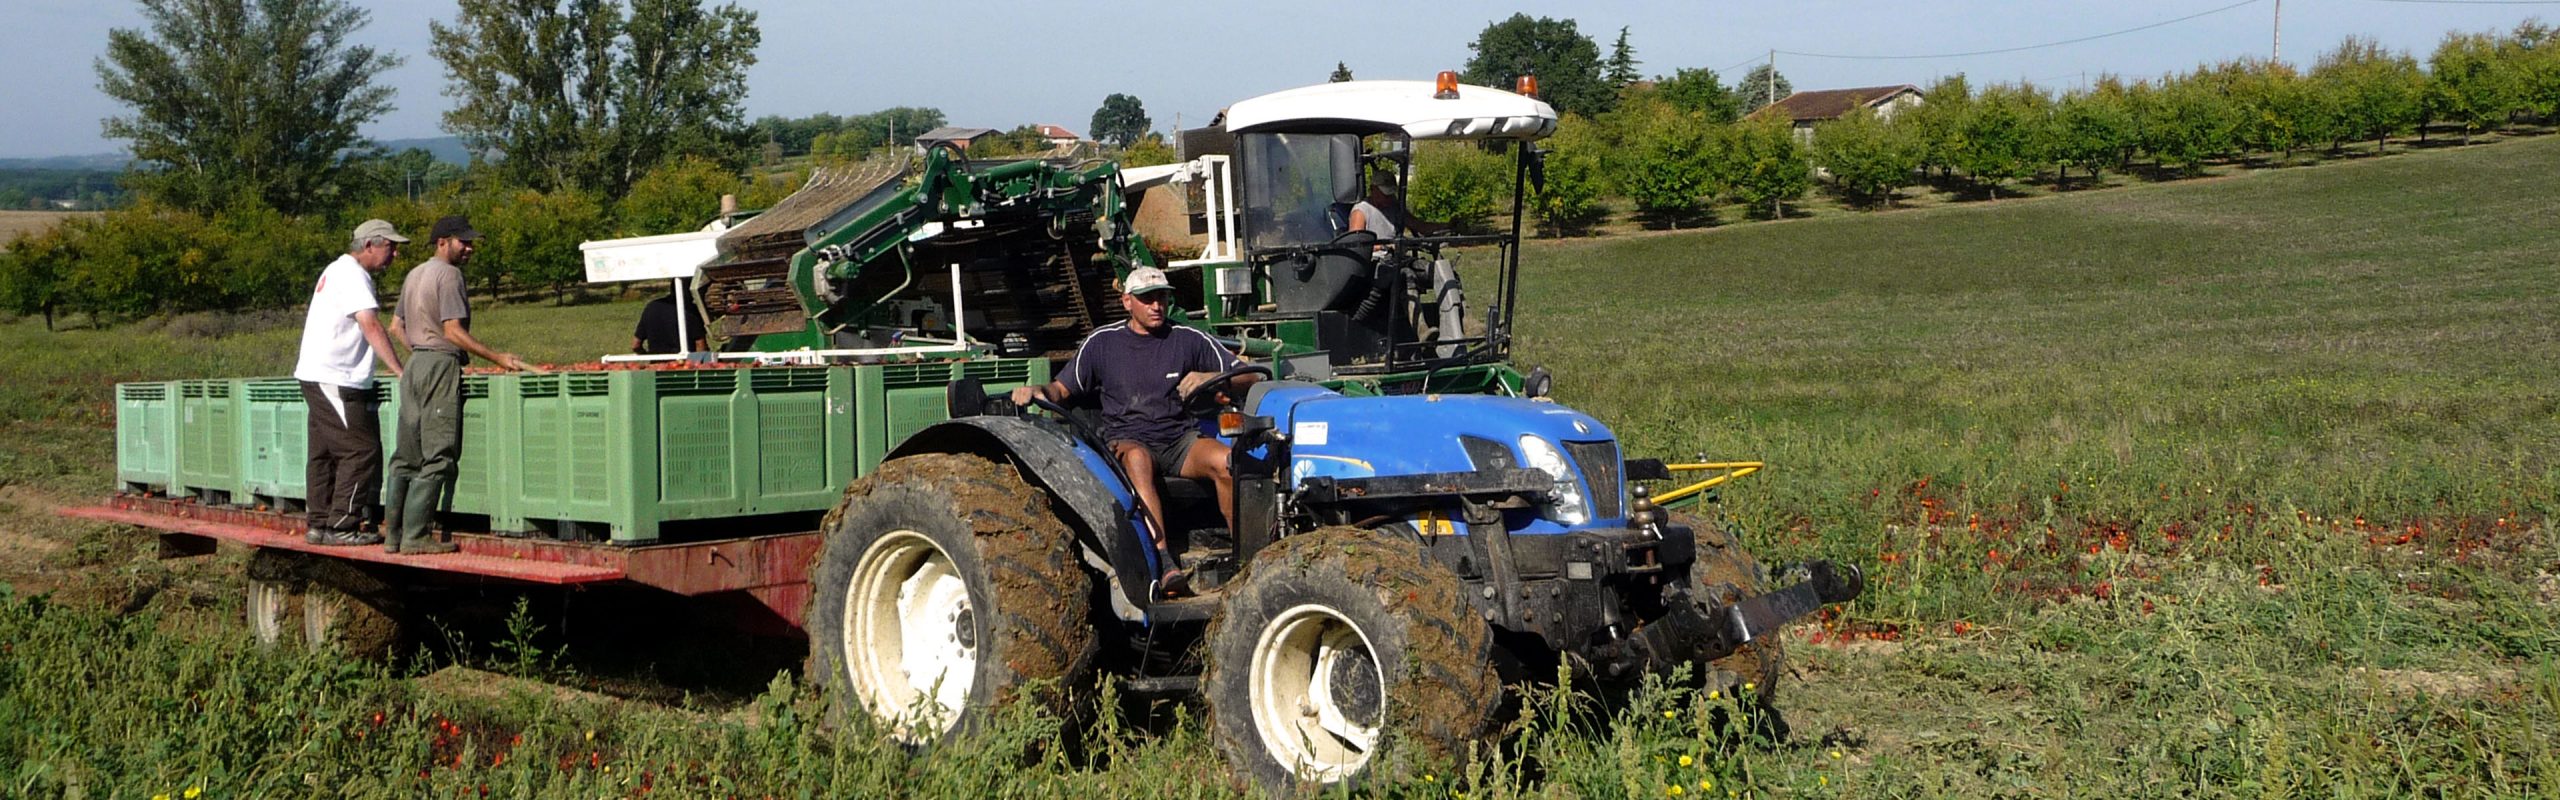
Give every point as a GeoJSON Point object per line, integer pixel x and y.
{"type": "Point", "coordinates": [1331, 435]}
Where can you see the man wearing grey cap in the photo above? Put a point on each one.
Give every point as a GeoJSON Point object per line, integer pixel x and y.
{"type": "Point", "coordinates": [341, 338]}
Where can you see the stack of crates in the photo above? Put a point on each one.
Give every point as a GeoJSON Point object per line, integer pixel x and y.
{"type": "Point", "coordinates": [610, 455]}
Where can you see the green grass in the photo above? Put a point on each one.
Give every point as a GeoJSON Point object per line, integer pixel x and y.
{"type": "Point", "coordinates": [2230, 487]}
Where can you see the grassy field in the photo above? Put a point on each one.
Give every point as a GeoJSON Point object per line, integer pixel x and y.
{"type": "Point", "coordinates": [2230, 487]}
{"type": "Point", "coordinates": [14, 224]}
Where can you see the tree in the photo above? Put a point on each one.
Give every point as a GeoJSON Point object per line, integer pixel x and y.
{"type": "Point", "coordinates": [1120, 120]}
{"type": "Point", "coordinates": [678, 196]}
{"type": "Point", "coordinates": [1867, 158]}
{"type": "Point", "coordinates": [244, 101]}
{"type": "Point", "coordinates": [1697, 91]}
{"type": "Point", "coordinates": [1566, 62]}
{"type": "Point", "coordinates": [2091, 131]}
{"type": "Point", "coordinates": [535, 234]}
{"type": "Point", "coordinates": [1569, 202]}
{"type": "Point", "coordinates": [1621, 70]}
{"type": "Point", "coordinates": [2471, 82]}
{"type": "Point", "coordinates": [1666, 163]}
{"type": "Point", "coordinates": [1458, 183]}
{"type": "Point", "coordinates": [1765, 164]}
{"type": "Point", "coordinates": [1341, 73]}
{"type": "Point", "coordinates": [1150, 150]}
{"type": "Point", "coordinates": [1763, 85]}
{"type": "Point", "coordinates": [1935, 123]}
{"type": "Point", "coordinates": [579, 94]}
{"type": "Point", "coordinates": [2375, 92]}
{"type": "Point", "coordinates": [2000, 139]}
{"type": "Point", "coordinates": [2186, 122]}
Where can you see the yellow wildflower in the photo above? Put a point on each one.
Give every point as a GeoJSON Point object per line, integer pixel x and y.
{"type": "Point", "coordinates": [1713, 694]}
{"type": "Point", "coordinates": [1685, 760]}
{"type": "Point", "coordinates": [194, 792]}
{"type": "Point", "coordinates": [1674, 790]}
{"type": "Point", "coordinates": [1750, 686]}
{"type": "Point", "coordinates": [159, 797]}
{"type": "Point", "coordinates": [1706, 784]}
{"type": "Point", "coordinates": [1835, 755]}
{"type": "Point", "coordinates": [1430, 778]}
{"type": "Point", "coordinates": [1824, 781]}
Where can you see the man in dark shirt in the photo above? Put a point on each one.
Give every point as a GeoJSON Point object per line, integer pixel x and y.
{"type": "Point", "coordinates": [1141, 368]}
{"type": "Point", "coordinates": [656, 334]}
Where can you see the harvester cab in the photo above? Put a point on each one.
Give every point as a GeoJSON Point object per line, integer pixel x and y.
{"type": "Point", "coordinates": [1417, 525]}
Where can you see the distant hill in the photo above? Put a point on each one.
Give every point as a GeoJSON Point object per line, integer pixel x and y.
{"type": "Point", "coordinates": [96, 162]}
{"type": "Point", "coordinates": [448, 149]}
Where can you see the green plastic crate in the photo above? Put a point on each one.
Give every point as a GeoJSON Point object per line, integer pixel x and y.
{"type": "Point", "coordinates": [146, 436]}
{"type": "Point", "coordinates": [615, 454]}
{"type": "Point", "coordinates": [209, 453]}
{"type": "Point", "coordinates": [276, 429]}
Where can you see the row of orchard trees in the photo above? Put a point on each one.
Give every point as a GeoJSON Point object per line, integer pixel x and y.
{"type": "Point", "coordinates": [603, 117]}
{"type": "Point", "coordinates": [2358, 92]}
{"type": "Point", "coordinates": [1675, 149]}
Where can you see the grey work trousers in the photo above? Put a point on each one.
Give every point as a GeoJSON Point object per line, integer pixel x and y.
{"type": "Point", "coordinates": [430, 445]}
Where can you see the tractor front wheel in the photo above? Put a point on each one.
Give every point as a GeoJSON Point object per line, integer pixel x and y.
{"type": "Point", "coordinates": [1341, 655]}
{"type": "Point", "coordinates": [945, 590]}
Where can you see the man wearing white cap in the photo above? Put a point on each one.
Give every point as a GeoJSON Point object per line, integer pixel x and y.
{"type": "Point", "coordinates": [341, 338]}
{"type": "Point", "coordinates": [1141, 368]}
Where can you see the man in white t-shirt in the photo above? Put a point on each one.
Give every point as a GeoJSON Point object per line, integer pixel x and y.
{"type": "Point", "coordinates": [341, 338]}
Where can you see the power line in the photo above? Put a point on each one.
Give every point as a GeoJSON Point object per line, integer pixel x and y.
{"type": "Point", "coordinates": [2088, 38]}
{"type": "Point", "coordinates": [2478, 2]}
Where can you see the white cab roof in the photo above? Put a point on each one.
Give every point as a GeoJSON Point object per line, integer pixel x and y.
{"type": "Point", "coordinates": [1376, 106]}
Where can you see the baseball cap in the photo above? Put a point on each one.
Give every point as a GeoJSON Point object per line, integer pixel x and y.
{"type": "Point", "coordinates": [1145, 279]}
{"type": "Point", "coordinates": [455, 226]}
{"type": "Point", "coordinates": [382, 228]}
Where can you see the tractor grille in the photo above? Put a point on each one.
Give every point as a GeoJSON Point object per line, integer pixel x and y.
{"type": "Point", "coordinates": [1600, 468]}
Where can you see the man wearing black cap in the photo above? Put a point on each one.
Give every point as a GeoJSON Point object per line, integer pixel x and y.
{"type": "Point", "coordinates": [434, 320]}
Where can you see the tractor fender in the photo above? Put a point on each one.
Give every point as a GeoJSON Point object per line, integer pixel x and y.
{"type": "Point", "coordinates": [1087, 493]}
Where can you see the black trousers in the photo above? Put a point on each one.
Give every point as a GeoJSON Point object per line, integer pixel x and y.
{"type": "Point", "coordinates": [343, 481]}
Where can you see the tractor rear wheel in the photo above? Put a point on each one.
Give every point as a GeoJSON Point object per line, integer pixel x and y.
{"type": "Point", "coordinates": [1725, 572]}
{"type": "Point", "coordinates": [1340, 656]}
{"type": "Point", "coordinates": [945, 590]}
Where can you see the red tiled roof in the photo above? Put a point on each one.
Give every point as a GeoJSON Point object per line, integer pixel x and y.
{"type": "Point", "coordinates": [1832, 103]}
{"type": "Point", "coordinates": [1055, 132]}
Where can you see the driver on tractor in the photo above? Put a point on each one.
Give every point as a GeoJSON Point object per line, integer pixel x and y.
{"type": "Point", "coordinates": [1145, 369]}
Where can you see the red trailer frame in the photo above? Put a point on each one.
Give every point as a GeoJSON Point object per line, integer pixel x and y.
{"type": "Point", "coordinates": [771, 570]}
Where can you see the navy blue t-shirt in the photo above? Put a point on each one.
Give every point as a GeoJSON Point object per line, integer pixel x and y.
{"type": "Point", "coordinates": [1137, 374]}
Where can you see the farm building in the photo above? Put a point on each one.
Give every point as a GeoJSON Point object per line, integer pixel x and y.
{"type": "Point", "coordinates": [1059, 136]}
{"type": "Point", "coordinates": [956, 136]}
{"type": "Point", "coordinates": [1806, 109]}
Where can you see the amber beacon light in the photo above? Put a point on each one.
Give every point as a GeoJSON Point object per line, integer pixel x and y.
{"type": "Point", "coordinates": [1527, 86]}
{"type": "Point", "coordinates": [1446, 88]}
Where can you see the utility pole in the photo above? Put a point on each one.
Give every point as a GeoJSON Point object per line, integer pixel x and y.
{"type": "Point", "coordinates": [1771, 79]}
{"type": "Point", "coordinates": [2279, 32]}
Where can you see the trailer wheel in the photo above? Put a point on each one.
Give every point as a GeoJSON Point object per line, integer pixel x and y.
{"type": "Point", "coordinates": [946, 589]}
{"type": "Point", "coordinates": [1725, 572]}
{"type": "Point", "coordinates": [1340, 656]}
{"type": "Point", "coordinates": [323, 602]}
{"type": "Point", "coordinates": [272, 603]}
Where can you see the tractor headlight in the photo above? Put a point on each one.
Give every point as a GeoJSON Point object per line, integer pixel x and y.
{"type": "Point", "coordinates": [1567, 507]}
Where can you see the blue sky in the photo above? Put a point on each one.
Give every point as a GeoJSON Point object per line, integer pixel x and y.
{"type": "Point", "coordinates": [1000, 64]}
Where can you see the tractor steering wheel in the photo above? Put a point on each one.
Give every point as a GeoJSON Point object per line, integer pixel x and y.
{"type": "Point", "coordinates": [1219, 383]}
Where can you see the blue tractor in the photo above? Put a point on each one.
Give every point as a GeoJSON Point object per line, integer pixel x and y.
{"type": "Point", "coordinates": [1419, 525]}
